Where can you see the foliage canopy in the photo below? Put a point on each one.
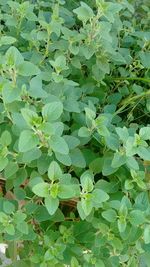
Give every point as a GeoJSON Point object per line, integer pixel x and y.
{"type": "Point", "coordinates": [75, 132]}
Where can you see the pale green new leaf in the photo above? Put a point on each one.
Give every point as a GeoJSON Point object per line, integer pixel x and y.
{"type": "Point", "coordinates": [54, 171]}
{"type": "Point", "coordinates": [51, 204]}
{"type": "Point", "coordinates": [41, 189]}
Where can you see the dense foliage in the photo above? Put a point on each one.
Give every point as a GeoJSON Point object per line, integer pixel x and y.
{"type": "Point", "coordinates": [75, 132]}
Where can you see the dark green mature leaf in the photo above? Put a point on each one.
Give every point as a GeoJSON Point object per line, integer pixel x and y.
{"type": "Point", "coordinates": [5, 139]}
{"type": "Point", "coordinates": [27, 141]}
{"type": "Point", "coordinates": [77, 158]}
{"type": "Point", "coordinates": [107, 168]}
{"type": "Point", "coordinates": [145, 58]}
{"type": "Point", "coordinates": [7, 40]}
{"type": "Point", "coordinates": [118, 160]}
{"type": "Point", "coordinates": [27, 69]}
{"type": "Point", "coordinates": [110, 215]}
{"type": "Point", "coordinates": [99, 196]}
{"type": "Point", "coordinates": [144, 153]}
{"type": "Point", "coordinates": [3, 163]}
{"type": "Point", "coordinates": [84, 12]}
{"type": "Point", "coordinates": [137, 217]}
{"type": "Point", "coordinates": [58, 144]}
{"type": "Point", "coordinates": [52, 111]}
{"type": "Point", "coordinates": [8, 207]}
{"type": "Point", "coordinates": [14, 57]}
{"type": "Point", "coordinates": [147, 234]}
{"type": "Point", "coordinates": [10, 169]}
{"type": "Point", "coordinates": [96, 165]}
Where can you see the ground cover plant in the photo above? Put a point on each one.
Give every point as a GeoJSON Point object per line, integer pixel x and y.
{"type": "Point", "coordinates": [75, 132]}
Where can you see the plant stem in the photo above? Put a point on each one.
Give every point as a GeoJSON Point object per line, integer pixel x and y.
{"type": "Point", "coordinates": [130, 100]}
{"type": "Point", "coordinates": [13, 251]}
{"type": "Point", "coordinates": [145, 80]}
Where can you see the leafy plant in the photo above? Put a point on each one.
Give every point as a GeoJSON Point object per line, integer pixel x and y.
{"type": "Point", "coordinates": [75, 132]}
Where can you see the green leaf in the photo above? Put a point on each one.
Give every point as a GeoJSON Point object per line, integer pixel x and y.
{"type": "Point", "coordinates": [144, 153]}
{"type": "Point", "coordinates": [145, 133]}
{"type": "Point", "coordinates": [10, 93]}
{"type": "Point", "coordinates": [141, 184]}
{"type": "Point", "coordinates": [87, 206]}
{"type": "Point", "coordinates": [52, 111]}
{"type": "Point", "coordinates": [84, 132]}
{"type": "Point", "coordinates": [112, 141]}
{"type": "Point", "coordinates": [72, 141]}
{"type": "Point", "coordinates": [31, 155]}
{"type": "Point", "coordinates": [77, 158]}
{"type": "Point", "coordinates": [81, 211]}
{"type": "Point", "coordinates": [29, 116]}
{"type": "Point", "coordinates": [132, 163]}
{"type": "Point", "coordinates": [36, 90]}
{"type": "Point", "coordinates": [3, 217]}
{"type": "Point", "coordinates": [43, 163]}
{"type": "Point", "coordinates": [51, 204]}
{"type": "Point", "coordinates": [145, 59]}
{"type": "Point", "coordinates": [110, 215]}
{"type": "Point", "coordinates": [8, 207]}
{"type": "Point", "coordinates": [27, 141]}
{"type": "Point", "coordinates": [14, 57]}
{"type": "Point", "coordinates": [122, 225]}
{"type": "Point", "coordinates": [68, 191]}
{"type": "Point", "coordinates": [90, 116]}
{"type": "Point", "coordinates": [96, 165]}
{"type": "Point", "coordinates": [10, 229]}
{"type": "Point", "coordinates": [19, 217]}
{"type": "Point", "coordinates": [10, 169]}
{"type": "Point", "coordinates": [107, 168]}
{"type": "Point", "coordinates": [19, 193]}
{"type": "Point", "coordinates": [28, 69]}
{"type": "Point", "coordinates": [99, 196]}
{"type": "Point", "coordinates": [23, 227]}
{"type": "Point", "coordinates": [118, 160]}
{"type": "Point", "coordinates": [136, 217]}
{"type": "Point", "coordinates": [147, 234]}
{"type": "Point", "coordinates": [7, 40]}
{"type": "Point", "coordinates": [123, 211]}
{"type": "Point", "coordinates": [54, 189]}
{"type": "Point", "coordinates": [54, 171]}
{"type": "Point", "coordinates": [64, 159]}
{"type": "Point", "coordinates": [59, 64]}
{"type": "Point", "coordinates": [84, 12]}
{"type": "Point", "coordinates": [100, 263]}
{"type": "Point", "coordinates": [41, 189]}
{"type": "Point", "coordinates": [129, 184]}
{"type": "Point", "coordinates": [5, 139]}
{"type": "Point", "coordinates": [3, 163]}
{"type": "Point", "coordinates": [58, 144]}
{"type": "Point", "coordinates": [74, 262]}
{"type": "Point", "coordinates": [87, 179]}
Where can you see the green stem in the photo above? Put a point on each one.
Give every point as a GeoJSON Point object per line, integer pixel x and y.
{"type": "Point", "coordinates": [131, 79]}
{"type": "Point", "coordinates": [130, 100]}
{"type": "Point", "coordinates": [12, 250]}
